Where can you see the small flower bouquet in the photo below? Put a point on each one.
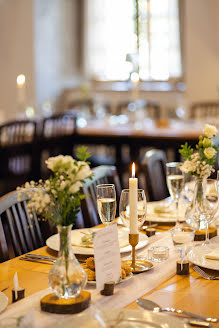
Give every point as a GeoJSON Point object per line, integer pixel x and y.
{"type": "Point", "coordinates": [200, 163]}
{"type": "Point", "coordinates": [58, 198]}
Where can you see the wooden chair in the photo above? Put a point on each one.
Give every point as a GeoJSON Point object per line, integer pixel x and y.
{"type": "Point", "coordinates": [18, 154]}
{"type": "Point", "coordinates": [102, 174]}
{"type": "Point", "coordinates": [204, 110]}
{"type": "Point", "coordinates": [56, 137]}
{"type": "Point", "coordinates": [19, 233]}
{"type": "Point", "coordinates": [79, 104]}
{"type": "Point", "coordinates": [154, 168]}
{"type": "Point", "coordinates": [152, 109]}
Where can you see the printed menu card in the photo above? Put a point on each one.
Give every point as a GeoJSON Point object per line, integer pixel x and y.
{"type": "Point", "coordinates": [107, 256]}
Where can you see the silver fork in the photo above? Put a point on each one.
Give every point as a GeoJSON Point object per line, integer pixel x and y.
{"type": "Point", "coordinates": [204, 274]}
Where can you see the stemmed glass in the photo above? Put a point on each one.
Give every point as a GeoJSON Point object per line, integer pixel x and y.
{"type": "Point", "coordinates": [175, 183]}
{"type": "Point", "coordinates": [106, 203]}
{"type": "Point", "coordinates": [124, 207]}
{"type": "Point", "coordinates": [207, 209]}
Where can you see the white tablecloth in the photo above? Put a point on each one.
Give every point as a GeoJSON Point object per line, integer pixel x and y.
{"type": "Point", "coordinates": [125, 292]}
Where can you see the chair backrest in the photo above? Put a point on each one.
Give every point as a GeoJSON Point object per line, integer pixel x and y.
{"type": "Point", "coordinates": [79, 104]}
{"type": "Point", "coordinates": [58, 125]}
{"type": "Point", "coordinates": [154, 168]}
{"type": "Point", "coordinates": [204, 110]}
{"type": "Point", "coordinates": [152, 109]}
{"type": "Point", "coordinates": [101, 175]}
{"type": "Point", "coordinates": [17, 132]}
{"type": "Point", "coordinates": [18, 153]}
{"type": "Point", "coordinates": [19, 232]}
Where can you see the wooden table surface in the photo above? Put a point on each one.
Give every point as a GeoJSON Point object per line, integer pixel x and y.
{"type": "Point", "coordinates": [192, 293]}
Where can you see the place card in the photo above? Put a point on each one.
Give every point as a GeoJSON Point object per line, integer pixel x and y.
{"type": "Point", "coordinates": [107, 256]}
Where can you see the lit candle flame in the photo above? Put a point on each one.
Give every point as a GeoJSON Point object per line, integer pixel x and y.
{"type": "Point", "coordinates": [133, 170]}
{"type": "Point", "coordinates": [21, 79]}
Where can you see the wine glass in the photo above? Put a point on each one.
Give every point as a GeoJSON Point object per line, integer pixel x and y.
{"type": "Point", "coordinates": [106, 203]}
{"type": "Point", "coordinates": [175, 183]}
{"type": "Point", "coordinates": [124, 209]}
{"type": "Point", "coordinates": [207, 209]}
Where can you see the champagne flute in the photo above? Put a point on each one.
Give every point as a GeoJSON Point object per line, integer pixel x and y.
{"type": "Point", "coordinates": [106, 203]}
{"type": "Point", "coordinates": [175, 183]}
{"type": "Point", "coordinates": [124, 209]}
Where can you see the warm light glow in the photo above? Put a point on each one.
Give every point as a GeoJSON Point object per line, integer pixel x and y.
{"type": "Point", "coordinates": [133, 170]}
{"type": "Point", "coordinates": [21, 80]}
{"type": "Point", "coordinates": [135, 77]}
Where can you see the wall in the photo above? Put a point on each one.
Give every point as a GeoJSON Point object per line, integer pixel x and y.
{"type": "Point", "coordinates": [201, 49]}
{"type": "Point", "coordinates": [16, 52]}
{"type": "Point", "coordinates": [39, 38]}
{"type": "Point", "coordinates": [55, 51]}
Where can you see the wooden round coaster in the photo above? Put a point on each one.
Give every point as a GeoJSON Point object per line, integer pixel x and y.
{"type": "Point", "coordinates": [200, 234]}
{"type": "Point", "coordinates": [51, 303]}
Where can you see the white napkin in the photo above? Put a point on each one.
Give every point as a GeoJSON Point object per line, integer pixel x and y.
{"type": "Point", "coordinates": [214, 255]}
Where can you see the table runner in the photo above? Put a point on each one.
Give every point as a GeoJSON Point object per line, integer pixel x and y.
{"type": "Point", "coordinates": [125, 292]}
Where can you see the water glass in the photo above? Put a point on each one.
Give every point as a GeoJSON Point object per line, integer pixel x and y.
{"type": "Point", "coordinates": [106, 203]}
{"type": "Point", "coordinates": [175, 183]}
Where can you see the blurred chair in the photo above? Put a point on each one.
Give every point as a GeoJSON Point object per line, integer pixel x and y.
{"type": "Point", "coordinates": [81, 104]}
{"type": "Point", "coordinates": [19, 158]}
{"type": "Point", "coordinates": [101, 175]}
{"type": "Point", "coordinates": [205, 110]}
{"type": "Point", "coordinates": [152, 109]}
{"type": "Point", "coordinates": [19, 233]}
{"type": "Point", "coordinates": [154, 168]}
{"type": "Point", "coordinates": [56, 137]}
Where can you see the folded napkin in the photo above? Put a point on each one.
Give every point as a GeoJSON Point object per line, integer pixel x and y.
{"type": "Point", "coordinates": [214, 255]}
{"type": "Point", "coordinates": [86, 239]}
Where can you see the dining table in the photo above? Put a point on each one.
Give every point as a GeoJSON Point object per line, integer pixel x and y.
{"type": "Point", "coordinates": [188, 292]}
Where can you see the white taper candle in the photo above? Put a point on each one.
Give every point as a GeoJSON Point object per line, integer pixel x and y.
{"type": "Point", "coordinates": [133, 200]}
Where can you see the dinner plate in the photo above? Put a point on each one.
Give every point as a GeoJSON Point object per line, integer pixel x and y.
{"type": "Point", "coordinates": [93, 283]}
{"type": "Point", "coordinates": [197, 257]}
{"type": "Point", "coordinates": [165, 217]}
{"type": "Point", "coordinates": [3, 302]}
{"type": "Point", "coordinates": [53, 241]}
{"type": "Point", "coordinates": [124, 318]}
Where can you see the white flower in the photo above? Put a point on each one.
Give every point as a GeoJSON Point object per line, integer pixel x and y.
{"type": "Point", "coordinates": [209, 152]}
{"type": "Point", "coordinates": [75, 187]}
{"type": "Point", "coordinates": [210, 131]}
{"type": "Point", "coordinates": [84, 171]}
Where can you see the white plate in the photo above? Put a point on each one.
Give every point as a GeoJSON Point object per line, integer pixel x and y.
{"type": "Point", "coordinates": [93, 283]}
{"type": "Point", "coordinates": [3, 302]}
{"type": "Point", "coordinates": [197, 257]}
{"type": "Point", "coordinates": [128, 318]}
{"type": "Point", "coordinates": [169, 217]}
{"type": "Point", "coordinates": [53, 241]}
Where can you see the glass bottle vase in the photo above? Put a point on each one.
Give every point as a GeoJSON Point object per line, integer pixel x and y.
{"type": "Point", "coordinates": [67, 277]}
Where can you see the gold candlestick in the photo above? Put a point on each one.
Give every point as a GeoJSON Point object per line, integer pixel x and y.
{"type": "Point", "coordinates": [137, 266]}
{"type": "Point", "coordinates": [133, 241]}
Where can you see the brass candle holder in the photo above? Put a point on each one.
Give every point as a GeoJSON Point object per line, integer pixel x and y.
{"type": "Point", "coordinates": [133, 241]}
{"type": "Point", "coordinates": [137, 266]}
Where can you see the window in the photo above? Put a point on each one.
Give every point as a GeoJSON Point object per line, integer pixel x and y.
{"type": "Point", "coordinates": [132, 35]}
